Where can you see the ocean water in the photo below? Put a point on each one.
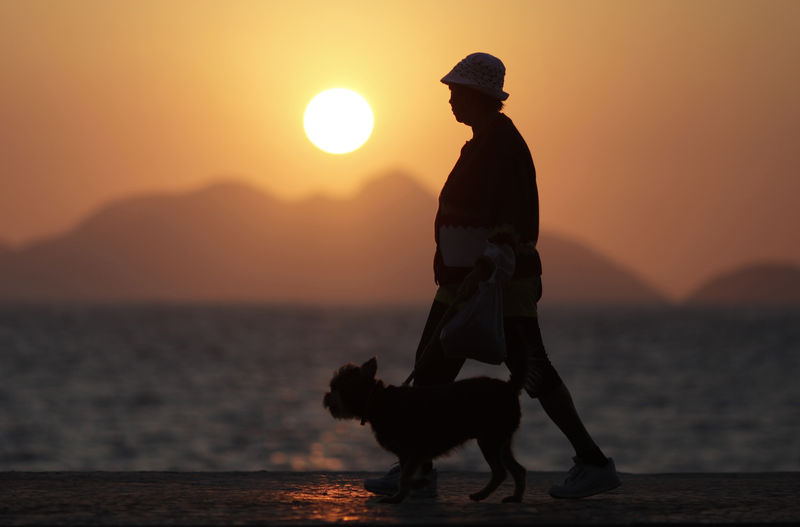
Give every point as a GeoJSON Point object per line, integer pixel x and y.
{"type": "Point", "coordinates": [240, 387]}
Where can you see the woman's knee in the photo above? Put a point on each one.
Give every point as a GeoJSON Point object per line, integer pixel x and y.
{"type": "Point", "coordinates": [528, 358]}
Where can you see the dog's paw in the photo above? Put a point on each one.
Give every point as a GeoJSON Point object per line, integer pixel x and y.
{"type": "Point", "coordinates": [512, 499]}
{"type": "Point", "coordinates": [478, 496]}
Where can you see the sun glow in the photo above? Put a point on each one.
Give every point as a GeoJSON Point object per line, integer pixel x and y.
{"type": "Point", "coordinates": [338, 120]}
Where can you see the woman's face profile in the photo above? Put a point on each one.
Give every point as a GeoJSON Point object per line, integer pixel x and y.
{"type": "Point", "coordinates": [460, 102]}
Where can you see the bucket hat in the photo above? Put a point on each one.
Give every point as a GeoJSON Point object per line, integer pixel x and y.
{"type": "Point", "coordinates": [480, 71]}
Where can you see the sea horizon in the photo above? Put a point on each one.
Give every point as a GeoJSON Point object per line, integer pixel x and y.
{"type": "Point", "coordinates": [238, 387]}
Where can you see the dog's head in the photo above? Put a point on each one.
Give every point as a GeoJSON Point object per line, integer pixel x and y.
{"type": "Point", "coordinates": [351, 386]}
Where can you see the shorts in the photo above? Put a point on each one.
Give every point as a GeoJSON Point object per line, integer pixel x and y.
{"type": "Point", "coordinates": [526, 355]}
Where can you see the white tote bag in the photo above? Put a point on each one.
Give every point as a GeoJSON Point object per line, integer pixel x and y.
{"type": "Point", "coordinates": [476, 331]}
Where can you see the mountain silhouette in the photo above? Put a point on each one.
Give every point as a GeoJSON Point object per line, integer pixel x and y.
{"type": "Point", "coordinates": [575, 274]}
{"type": "Point", "coordinates": [233, 242]}
{"type": "Point", "coordinates": [757, 284]}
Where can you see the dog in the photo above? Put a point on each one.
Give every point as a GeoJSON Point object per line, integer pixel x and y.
{"type": "Point", "coordinates": [422, 423]}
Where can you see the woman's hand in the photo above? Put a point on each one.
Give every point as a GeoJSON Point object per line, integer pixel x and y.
{"type": "Point", "coordinates": [482, 271]}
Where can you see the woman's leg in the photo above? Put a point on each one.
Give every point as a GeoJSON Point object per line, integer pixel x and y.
{"type": "Point", "coordinates": [527, 357]}
{"type": "Point", "coordinates": [593, 472]}
{"type": "Point", "coordinates": [431, 365]}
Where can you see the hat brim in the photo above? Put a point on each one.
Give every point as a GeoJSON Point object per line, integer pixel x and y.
{"type": "Point", "coordinates": [450, 79]}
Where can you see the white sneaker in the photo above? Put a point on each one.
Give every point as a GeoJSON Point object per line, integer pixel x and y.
{"type": "Point", "coordinates": [586, 480]}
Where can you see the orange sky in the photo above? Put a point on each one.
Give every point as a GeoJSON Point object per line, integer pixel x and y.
{"type": "Point", "coordinates": [665, 134]}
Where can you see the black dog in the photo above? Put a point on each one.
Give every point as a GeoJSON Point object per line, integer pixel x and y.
{"type": "Point", "coordinates": [425, 422]}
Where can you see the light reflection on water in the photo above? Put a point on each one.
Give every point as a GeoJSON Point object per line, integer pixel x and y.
{"type": "Point", "coordinates": [240, 388]}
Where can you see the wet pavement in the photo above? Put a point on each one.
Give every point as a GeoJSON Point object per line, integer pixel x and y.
{"type": "Point", "coordinates": [320, 498]}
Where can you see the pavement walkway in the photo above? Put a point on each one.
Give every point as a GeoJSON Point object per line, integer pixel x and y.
{"type": "Point", "coordinates": [322, 498]}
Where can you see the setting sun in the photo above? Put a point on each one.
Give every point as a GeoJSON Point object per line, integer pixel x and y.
{"type": "Point", "coordinates": [338, 120]}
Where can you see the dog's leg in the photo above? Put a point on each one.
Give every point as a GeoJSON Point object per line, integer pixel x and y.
{"type": "Point", "coordinates": [408, 467]}
{"type": "Point", "coordinates": [517, 472]}
{"type": "Point", "coordinates": [492, 452]}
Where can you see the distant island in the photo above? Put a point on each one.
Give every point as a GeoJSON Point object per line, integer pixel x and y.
{"type": "Point", "coordinates": [752, 285]}
{"type": "Point", "coordinates": [230, 241]}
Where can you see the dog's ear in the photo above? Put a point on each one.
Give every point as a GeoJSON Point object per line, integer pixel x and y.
{"type": "Point", "coordinates": [370, 367]}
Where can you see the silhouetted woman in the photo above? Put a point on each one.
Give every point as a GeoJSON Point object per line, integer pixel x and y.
{"type": "Point", "coordinates": [491, 194]}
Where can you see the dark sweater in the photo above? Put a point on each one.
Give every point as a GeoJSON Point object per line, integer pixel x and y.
{"type": "Point", "coordinates": [492, 186]}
